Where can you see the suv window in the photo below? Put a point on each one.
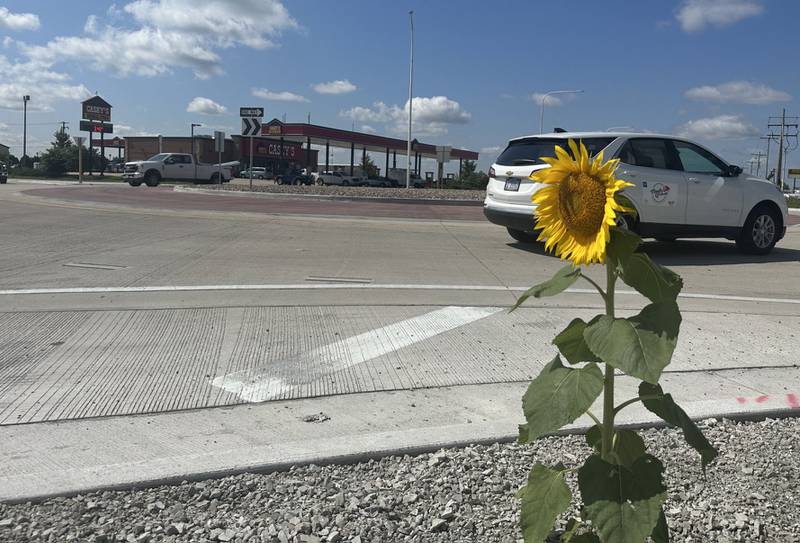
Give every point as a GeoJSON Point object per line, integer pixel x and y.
{"type": "Point", "coordinates": [649, 153]}
{"type": "Point", "coordinates": [697, 160]}
{"type": "Point", "coordinates": [528, 150]}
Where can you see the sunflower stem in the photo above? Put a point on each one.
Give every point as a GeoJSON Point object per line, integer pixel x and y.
{"type": "Point", "coordinates": [608, 382]}
{"type": "Point", "coordinates": [595, 285]}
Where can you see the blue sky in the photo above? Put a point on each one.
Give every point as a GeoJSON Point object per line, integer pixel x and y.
{"type": "Point", "coordinates": [713, 70]}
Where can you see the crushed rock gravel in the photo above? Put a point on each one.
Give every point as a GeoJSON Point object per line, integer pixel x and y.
{"type": "Point", "coordinates": [356, 192]}
{"type": "Point", "coordinates": [464, 494]}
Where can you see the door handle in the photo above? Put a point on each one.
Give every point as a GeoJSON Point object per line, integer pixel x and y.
{"type": "Point", "coordinates": [629, 174]}
{"type": "Point", "coordinates": [694, 180]}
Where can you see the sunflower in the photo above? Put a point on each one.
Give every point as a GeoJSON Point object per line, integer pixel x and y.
{"type": "Point", "coordinates": [576, 207]}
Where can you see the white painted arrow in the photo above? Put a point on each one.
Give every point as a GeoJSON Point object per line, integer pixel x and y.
{"type": "Point", "coordinates": [257, 385]}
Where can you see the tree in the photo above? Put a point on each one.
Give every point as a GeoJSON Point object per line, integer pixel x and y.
{"type": "Point", "coordinates": [368, 166]}
{"type": "Point", "coordinates": [468, 168]}
{"type": "Point", "coordinates": [60, 156]}
{"type": "Point", "coordinates": [13, 161]}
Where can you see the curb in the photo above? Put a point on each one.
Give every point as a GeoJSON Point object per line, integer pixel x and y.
{"type": "Point", "coordinates": [328, 197]}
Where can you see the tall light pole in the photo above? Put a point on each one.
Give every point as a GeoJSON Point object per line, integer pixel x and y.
{"type": "Point", "coordinates": [544, 99]}
{"type": "Point", "coordinates": [25, 125]}
{"type": "Point", "coordinates": [410, 101]}
{"type": "Point", "coordinates": [194, 152]}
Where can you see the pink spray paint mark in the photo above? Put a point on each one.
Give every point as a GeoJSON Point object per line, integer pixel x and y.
{"type": "Point", "coordinates": [741, 400]}
{"type": "Point", "coordinates": [793, 401]}
{"type": "Point", "coordinates": [762, 399]}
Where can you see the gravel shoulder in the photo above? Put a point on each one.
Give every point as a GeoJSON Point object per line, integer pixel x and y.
{"type": "Point", "coordinates": [467, 494]}
{"type": "Point", "coordinates": [354, 192]}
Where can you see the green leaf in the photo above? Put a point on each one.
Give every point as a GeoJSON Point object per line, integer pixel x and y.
{"type": "Point", "coordinates": [559, 395]}
{"type": "Point", "coordinates": [622, 244]}
{"type": "Point", "coordinates": [623, 503]}
{"type": "Point", "coordinates": [627, 203]}
{"type": "Point", "coordinates": [656, 282]}
{"type": "Point", "coordinates": [546, 496]}
{"type": "Point", "coordinates": [661, 531]}
{"type": "Point", "coordinates": [569, 530]}
{"type": "Point", "coordinates": [561, 281]}
{"type": "Point", "coordinates": [572, 345]}
{"type": "Point", "coordinates": [641, 345]}
{"type": "Point", "coordinates": [523, 433]}
{"type": "Point", "coordinates": [665, 407]}
{"type": "Point", "coordinates": [628, 446]}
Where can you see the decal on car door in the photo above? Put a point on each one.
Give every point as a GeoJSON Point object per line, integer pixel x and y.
{"type": "Point", "coordinates": [660, 194]}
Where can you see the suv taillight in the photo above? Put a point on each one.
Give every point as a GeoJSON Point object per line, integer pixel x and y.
{"type": "Point", "coordinates": [491, 171]}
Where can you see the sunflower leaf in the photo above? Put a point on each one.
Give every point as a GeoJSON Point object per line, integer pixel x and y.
{"type": "Point", "coordinates": [628, 445]}
{"type": "Point", "coordinates": [661, 531]}
{"type": "Point", "coordinates": [657, 283]}
{"type": "Point", "coordinates": [545, 497]}
{"type": "Point", "coordinates": [665, 407]}
{"type": "Point", "coordinates": [624, 504]}
{"type": "Point", "coordinates": [559, 395]}
{"type": "Point", "coordinates": [623, 243]}
{"type": "Point", "coordinates": [572, 345]}
{"type": "Point", "coordinates": [562, 280]}
{"type": "Point", "coordinates": [641, 345]}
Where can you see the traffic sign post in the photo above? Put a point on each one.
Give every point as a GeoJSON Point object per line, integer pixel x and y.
{"type": "Point", "coordinates": [251, 126]}
{"type": "Point", "coordinates": [79, 143]}
{"type": "Point", "coordinates": [219, 146]}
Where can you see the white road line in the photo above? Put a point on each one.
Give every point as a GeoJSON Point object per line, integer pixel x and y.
{"type": "Point", "coordinates": [257, 385]}
{"type": "Point", "coordinates": [351, 286]}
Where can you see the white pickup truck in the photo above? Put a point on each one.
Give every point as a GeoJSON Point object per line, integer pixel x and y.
{"type": "Point", "coordinates": [338, 178]}
{"type": "Point", "coordinates": [173, 166]}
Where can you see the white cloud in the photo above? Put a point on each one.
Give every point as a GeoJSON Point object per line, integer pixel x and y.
{"type": "Point", "coordinates": [283, 96]}
{"type": "Point", "coordinates": [152, 37]}
{"type": "Point", "coordinates": [205, 106]}
{"type": "Point", "coordinates": [44, 85]}
{"type": "Point", "coordinates": [549, 100]}
{"type": "Point", "coordinates": [743, 92]}
{"type": "Point", "coordinates": [18, 21]}
{"type": "Point", "coordinates": [491, 150]}
{"type": "Point", "coordinates": [8, 41]}
{"type": "Point", "coordinates": [340, 86]}
{"type": "Point", "coordinates": [719, 127]}
{"type": "Point", "coordinates": [431, 115]}
{"type": "Point", "coordinates": [695, 15]}
{"type": "Point", "coordinates": [367, 129]}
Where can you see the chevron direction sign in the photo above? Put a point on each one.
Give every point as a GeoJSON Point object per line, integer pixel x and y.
{"type": "Point", "coordinates": [251, 126]}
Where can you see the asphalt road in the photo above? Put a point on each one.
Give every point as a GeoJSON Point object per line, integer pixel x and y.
{"type": "Point", "coordinates": [120, 303]}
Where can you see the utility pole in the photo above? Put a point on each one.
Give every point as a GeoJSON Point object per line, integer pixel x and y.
{"type": "Point", "coordinates": [64, 126]}
{"type": "Point", "coordinates": [410, 101]}
{"type": "Point", "coordinates": [782, 138]}
{"type": "Point", "coordinates": [757, 158]}
{"type": "Point", "coordinates": [25, 125]}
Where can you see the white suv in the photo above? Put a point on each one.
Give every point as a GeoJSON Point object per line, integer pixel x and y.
{"type": "Point", "coordinates": [681, 189]}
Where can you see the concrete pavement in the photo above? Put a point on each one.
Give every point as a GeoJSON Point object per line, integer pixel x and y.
{"type": "Point", "coordinates": [148, 344]}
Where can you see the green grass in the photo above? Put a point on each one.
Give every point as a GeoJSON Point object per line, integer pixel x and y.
{"type": "Point", "coordinates": [794, 201]}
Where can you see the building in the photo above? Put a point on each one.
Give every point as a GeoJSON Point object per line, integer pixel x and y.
{"type": "Point", "coordinates": [283, 146]}
{"type": "Point", "coordinates": [4, 153]}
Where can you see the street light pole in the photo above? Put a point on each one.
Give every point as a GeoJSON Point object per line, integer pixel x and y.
{"type": "Point", "coordinates": [25, 125]}
{"type": "Point", "coordinates": [410, 101]}
{"type": "Point", "coordinates": [544, 99]}
{"type": "Point", "coordinates": [194, 151]}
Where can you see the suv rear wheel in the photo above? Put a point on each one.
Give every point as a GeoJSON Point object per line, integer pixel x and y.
{"type": "Point", "coordinates": [522, 236]}
{"type": "Point", "coordinates": [760, 231]}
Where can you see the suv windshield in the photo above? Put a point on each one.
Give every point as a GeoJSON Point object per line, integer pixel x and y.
{"type": "Point", "coordinates": [528, 150]}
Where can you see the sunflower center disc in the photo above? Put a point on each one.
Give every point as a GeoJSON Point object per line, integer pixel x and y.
{"type": "Point", "coordinates": [582, 201]}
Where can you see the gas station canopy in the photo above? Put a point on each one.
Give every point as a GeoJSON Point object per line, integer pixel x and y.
{"type": "Point", "coordinates": [323, 135]}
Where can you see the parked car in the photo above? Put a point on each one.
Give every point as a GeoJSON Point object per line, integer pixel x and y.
{"type": "Point", "coordinates": [681, 189]}
{"type": "Point", "coordinates": [3, 174]}
{"type": "Point", "coordinates": [338, 178]}
{"type": "Point", "coordinates": [174, 166]}
{"type": "Point", "coordinates": [294, 177]}
{"type": "Point", "coordinates": [258, 173]}
{"type": "Point", "coordinates": [380, 182]}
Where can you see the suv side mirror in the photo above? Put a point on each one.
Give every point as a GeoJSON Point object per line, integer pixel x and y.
{"type": "Point", "coordinates": [733, 171]}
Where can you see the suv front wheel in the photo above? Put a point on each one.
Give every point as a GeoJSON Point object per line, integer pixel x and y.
{"type": "Point", "coordinates": [760, 231]}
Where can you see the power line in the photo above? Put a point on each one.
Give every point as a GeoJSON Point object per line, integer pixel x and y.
{"type": "Point", "coordinates": [787, 132]}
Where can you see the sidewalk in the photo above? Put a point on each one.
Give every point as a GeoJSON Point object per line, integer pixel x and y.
{"type": "Point", "coordinates": [62, 458]}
